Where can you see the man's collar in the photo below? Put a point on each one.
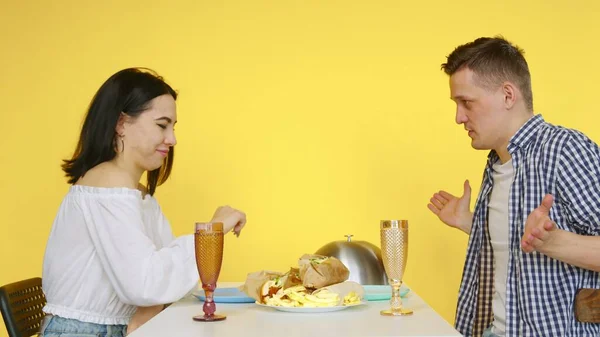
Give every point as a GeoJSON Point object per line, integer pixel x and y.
{"type": "Point", "coordinates": [521, 138]}
{"type": "Point", "coordinates": [526, 133]}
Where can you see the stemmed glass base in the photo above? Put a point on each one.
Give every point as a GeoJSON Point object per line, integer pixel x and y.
{"type": "Point", "coordinates": [209, 306]}
{"type": "Point", "coordinates": [399, 312]}
{"type": "Point", "coordinates": [211, 318]}
{"type": "Point", "coordinates": [396, 302]}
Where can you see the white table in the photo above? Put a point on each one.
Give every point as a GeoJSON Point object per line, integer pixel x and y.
{"type": "Point", "coordinates": [250, 320]}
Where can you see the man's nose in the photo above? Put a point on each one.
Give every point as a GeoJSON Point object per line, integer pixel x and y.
{"type": "Point", "coordinates": [460, 116]}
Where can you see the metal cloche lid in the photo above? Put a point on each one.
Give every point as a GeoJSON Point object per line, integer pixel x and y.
{"type": "Point", "coordinates": [362, 258]}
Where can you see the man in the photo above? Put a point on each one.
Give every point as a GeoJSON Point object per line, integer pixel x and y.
{"type": "Point", "coordinates": [534, 233]}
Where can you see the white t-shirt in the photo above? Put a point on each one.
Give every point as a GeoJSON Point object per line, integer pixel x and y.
{"type": "Point", "coordinates": [111, 250]}
{"type": "Point", "coordinates": [503, 175]}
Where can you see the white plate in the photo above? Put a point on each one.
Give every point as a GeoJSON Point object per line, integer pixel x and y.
{"type": "Point", "coordinates": [309, 309]}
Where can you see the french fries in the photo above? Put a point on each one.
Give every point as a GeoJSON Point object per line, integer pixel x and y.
{"type": "Point", "coordinates": [352, 298]}
{"type": "Point", "coordinates": [298, 296]}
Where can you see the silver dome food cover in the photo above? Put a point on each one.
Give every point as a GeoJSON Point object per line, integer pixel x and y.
{"type": "Point", "coordinates": [362, 258]}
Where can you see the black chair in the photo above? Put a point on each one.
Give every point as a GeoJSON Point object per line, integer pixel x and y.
{"type": "Point", "coordinates": [21, 304]}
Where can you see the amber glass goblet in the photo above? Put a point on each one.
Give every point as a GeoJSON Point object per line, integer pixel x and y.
{"type": "Point", "coordinates": [209, 256]}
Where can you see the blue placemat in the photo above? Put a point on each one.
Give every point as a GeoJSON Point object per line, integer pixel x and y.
{"type": "Point", "coordinates": [233, 295]}
{"type": "Point", "coordinates": [226, 295]}
{"type": "Point", "coordinates": [382, 292]}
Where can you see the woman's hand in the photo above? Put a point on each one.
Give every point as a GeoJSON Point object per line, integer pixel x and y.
{"type": "Point", "coordinates": [231, 219]}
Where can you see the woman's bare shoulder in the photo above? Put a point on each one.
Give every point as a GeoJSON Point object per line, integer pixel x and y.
{"type": "Point", "coordinates": [107, 175]}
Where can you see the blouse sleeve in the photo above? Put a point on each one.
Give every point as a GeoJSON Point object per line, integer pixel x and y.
{"type": "Point", "coordinates": [140, 273]}
{"type": "Point", "coordinates": [165, 233]}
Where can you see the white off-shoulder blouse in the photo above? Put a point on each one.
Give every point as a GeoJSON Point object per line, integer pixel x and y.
{"type": "Point", "coordinates": [111, 250]}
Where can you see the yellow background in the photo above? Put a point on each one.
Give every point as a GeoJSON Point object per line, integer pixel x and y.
{"type": "Point", "coordinates": [317, 118]}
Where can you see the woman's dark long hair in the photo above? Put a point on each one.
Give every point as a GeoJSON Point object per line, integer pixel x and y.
{"type": "Point", "coordinates": [129, 91]}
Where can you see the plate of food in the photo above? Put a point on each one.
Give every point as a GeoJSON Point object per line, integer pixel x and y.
{"type": "Point", "coordinates": [225, 295]}
{"type": "Point", "coordinates": [310, 310]}
{"type": "Point", "coordinates": [320, 284]}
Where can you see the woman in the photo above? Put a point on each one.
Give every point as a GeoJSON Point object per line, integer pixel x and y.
{"type": "Point", "coordinates": [111, 252]}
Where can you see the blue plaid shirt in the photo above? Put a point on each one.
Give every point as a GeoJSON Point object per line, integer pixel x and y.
{"type": "Point", "coordinates": [540, 290]}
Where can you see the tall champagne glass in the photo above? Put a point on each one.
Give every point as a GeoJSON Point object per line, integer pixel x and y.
{"type": "Point", "coordinates": [394, 252]}
{"type": "Point", "coordinates": [209, 255]}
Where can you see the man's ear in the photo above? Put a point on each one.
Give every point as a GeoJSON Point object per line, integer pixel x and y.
{"type": "Point", "coordinates": [510, 94]}
{"type": "Point", "coordinates": [120, 128]}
